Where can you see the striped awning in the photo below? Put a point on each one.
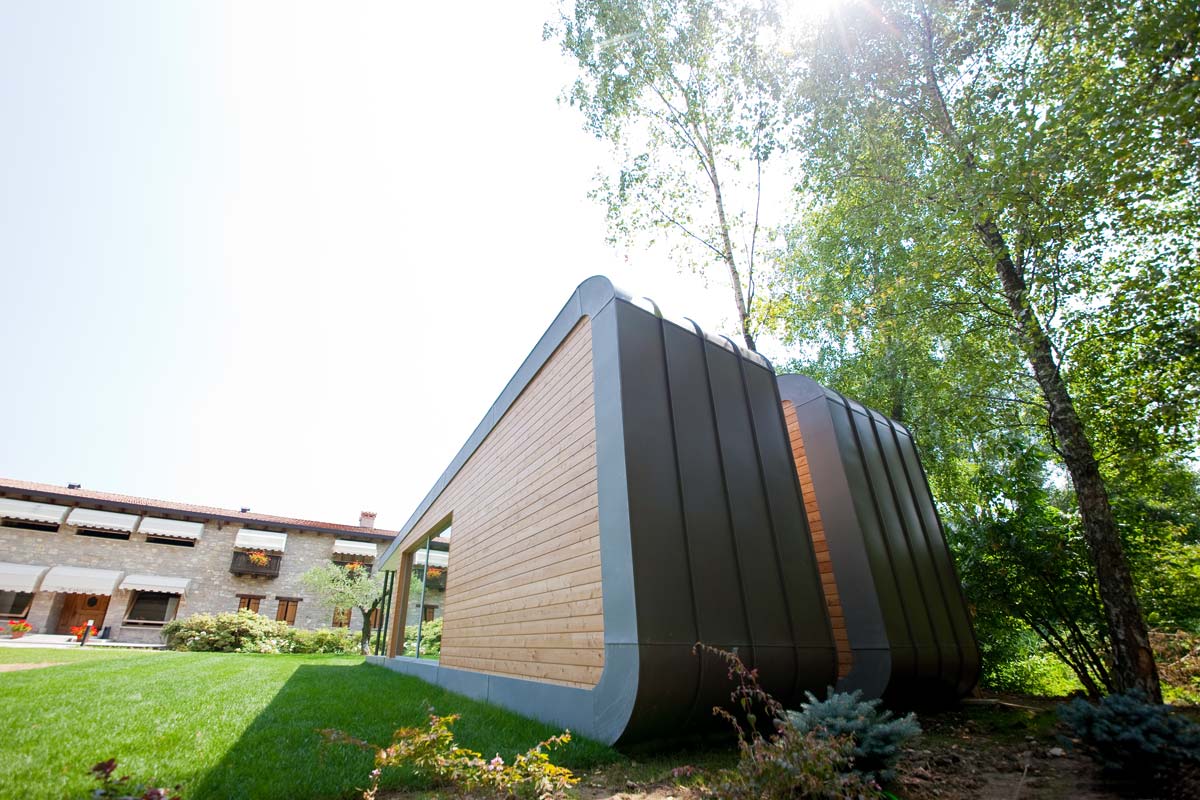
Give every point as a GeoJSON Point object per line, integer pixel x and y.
{"type": "Point", "coordinates": [171, 528]}
{"type": "Point", "coordinates": [260, 540]}
{"type": "Point", "coordinates": [32, 512]}
{"type": "Point", "coordinates": [104, 520]}
{"type": "Point", "coordinates": [81, 580]}
{"type": "Point", "coordinates": [20, 577]}
{"type": "Point", "coordinates": [156, 583]}
{"type": "Point", "coordinates": [352, 548]}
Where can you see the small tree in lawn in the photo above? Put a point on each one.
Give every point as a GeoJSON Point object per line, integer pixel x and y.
{"type": "Point", "coordinates": [350, 586]}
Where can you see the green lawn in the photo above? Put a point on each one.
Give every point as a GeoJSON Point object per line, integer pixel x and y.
{"type": "Point", "coordinates": [226, 725]}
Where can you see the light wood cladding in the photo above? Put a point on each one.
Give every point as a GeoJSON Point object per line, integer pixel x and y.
{"type": "Point", "coordinates": [523, 594]}
{"type": "Point", "coordinates": [817, 528]}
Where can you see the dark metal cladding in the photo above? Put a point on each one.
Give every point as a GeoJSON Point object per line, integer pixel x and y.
{"type": "Point", "coordinates": [911, 637]}
{"type": "Point", "coordinates": [721, 549]}
{"type": "Point", "coordinates": [702, 530]}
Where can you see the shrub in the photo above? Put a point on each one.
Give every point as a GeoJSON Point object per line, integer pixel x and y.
{"type": "Point", "coordinates": [324, 640]}
{"type": "Point", "coordinates": [123, 788]}
{"type": "Point", "coordinates": [1127, 735]}
{"type": "Point", "coordinates": [242, 631]}
{"type": "Point", "coordinates": [790, 764]}
{"type": "Point", "coordinates": [432, 753]}
{"type": "Point", "coordinates": [876, 735]}
{"type": "Point", "coordinates": [431, 639]}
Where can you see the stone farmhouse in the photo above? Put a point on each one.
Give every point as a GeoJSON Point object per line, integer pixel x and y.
{"type": "Point", "coordinates": [130, 564]}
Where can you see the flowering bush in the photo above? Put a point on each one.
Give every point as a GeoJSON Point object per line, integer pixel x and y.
{"type": "Point", "coordinates": [431, 752]}
{"type": "Point", "coordinates": [258, 558]}
{"type": "Point", "coordinates": [19, 626]}
{"type": "Point", "coordinates": [248, 632]}
{"type": "Point", "coordinates": [122, 789]}
{"type": "Point", "coordinates": [242, 631]}
{"type": "Point", "coordinates": [77, 631]}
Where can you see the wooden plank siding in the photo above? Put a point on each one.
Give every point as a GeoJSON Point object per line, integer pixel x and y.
{"type": "Point", "coordinates": [523, 593]}
{"type": "Point", "coordinates": [817, 528]}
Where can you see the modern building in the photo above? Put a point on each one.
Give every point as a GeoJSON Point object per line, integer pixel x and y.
{"type": "Point", "coordinates": [130, 564]}
{"type": "Point", "coordinates": [640, 486]}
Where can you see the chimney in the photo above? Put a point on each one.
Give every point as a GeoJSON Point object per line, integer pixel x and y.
{"type": "Point", "coordinates": [366, 519]}
{"type": "Point", "coordinates": [74, 486]}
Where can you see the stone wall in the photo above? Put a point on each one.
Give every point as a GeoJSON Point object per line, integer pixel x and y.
{"type": "Point", "coordinates": [213, 588]}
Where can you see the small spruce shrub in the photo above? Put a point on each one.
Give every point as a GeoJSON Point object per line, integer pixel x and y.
{"type": "Point", "coordinates": [431, 639]}
{"type": "Point", "coordinates": [124, 788]}
{"type": "Point", "coordinates": [789, 764]}
{"type": "Point", "coordinates": [431, 752]}
{"type": "Point", "coordinates": [876, 735]}
{"type": "Point", "coordinates": [1127, 735]}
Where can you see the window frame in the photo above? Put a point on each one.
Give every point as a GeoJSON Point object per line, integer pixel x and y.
{"type": "Point", "coordinates": [136, 594]}
{"type": "Point", "coordinates": [23, 614]}
{"type": "Point", "coordinates": [246, 600]}
{"type": "Point", "coordinates": [283, 606]}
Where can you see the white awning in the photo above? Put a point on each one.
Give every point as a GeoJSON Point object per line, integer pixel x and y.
{"type": "Point", "coordinates": [81, 580]}
{"type": "Point", "coordinates": [352, 548]}
{"type": "Point", "coordinates": [156, 583]}
{"type": "Point", "coordinates": [20, 577]}
{"type": "Point", "coordinates": [260, 540]}
{"type": "Point", "coordinates": [105, 520]}
{"type": "Point", "coordinates": [173, 528]}
{"type": "Point", "coordinates": [437, 558]}
{"type": "Point", "coordinates": [32, 512]}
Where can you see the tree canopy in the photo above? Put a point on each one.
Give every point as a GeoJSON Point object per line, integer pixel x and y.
{"type": "Point", "coordinates": [995, 238]}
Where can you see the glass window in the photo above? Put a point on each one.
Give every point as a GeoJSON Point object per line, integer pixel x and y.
{"type": "Point", "coordinates": [152, 608]}
{"type": "Point", "coordinates": [426, 597]}
{"type": "Point", "coordinates": [249, 602]}
{"type": "Point", "coordinates": [15, 604]}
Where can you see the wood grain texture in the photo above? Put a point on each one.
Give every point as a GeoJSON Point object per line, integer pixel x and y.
{"type": "Point", "coordinates": [817, 528]}
{"type": "Point", "coordinates": [523, 592]}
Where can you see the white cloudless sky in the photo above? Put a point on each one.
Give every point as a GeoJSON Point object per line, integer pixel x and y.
{"type": "Point", "coordinates": [285, 255]}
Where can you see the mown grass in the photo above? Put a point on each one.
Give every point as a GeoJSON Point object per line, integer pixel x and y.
{"type": "Point", "coordinates": [228, 725]}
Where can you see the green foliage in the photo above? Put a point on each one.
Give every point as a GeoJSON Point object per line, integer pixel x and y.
{"type": "Point", "coordinates": [1016, 660]}
{"type": "Point", "coordinates": [242, 631]}
{"type": "Point", "coordinates": [245, 631]}
{"type": "Point", "coordinates": [792, 763]}
{"type": "Point", "coordinates": [324, 640]}
{"type": "Point", "coordinates": [876, 735]}
{"type": "Point", "coordinates": [431, 639]}
{"type": "Point", "coordinates": [1178, 656]}
{"type": "Point", "coordinates": [432, 753]}
{"type": "Point", "coordinates": [1126, 734]}
{"type": "Point", "coordinates": [349, 586]}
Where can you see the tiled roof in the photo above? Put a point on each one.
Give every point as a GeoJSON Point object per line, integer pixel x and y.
{"type": "Point", "coordinates": [10, 486]}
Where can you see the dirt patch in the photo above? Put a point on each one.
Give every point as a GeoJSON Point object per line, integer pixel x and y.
{"type": "Point", "coordinates": [39, 665]}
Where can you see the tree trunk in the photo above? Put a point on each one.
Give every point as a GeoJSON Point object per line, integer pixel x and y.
{"type": "Point", "coordinates": [1133, 660]}
{"type": "Point", "coordinates": [364, 643]}
{"type": "Point", "coordinates": [735, 278]}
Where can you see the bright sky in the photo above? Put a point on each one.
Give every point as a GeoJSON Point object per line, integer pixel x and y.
{"type": "Point", "coordinates": [285, 255]}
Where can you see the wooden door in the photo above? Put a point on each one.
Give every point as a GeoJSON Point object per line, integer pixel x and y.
{"type": "Point", "coordinates": [79, 608]}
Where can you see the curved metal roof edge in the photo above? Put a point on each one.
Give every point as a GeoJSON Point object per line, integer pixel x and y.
{"type": "Point", "coordinates": [588, 299]}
